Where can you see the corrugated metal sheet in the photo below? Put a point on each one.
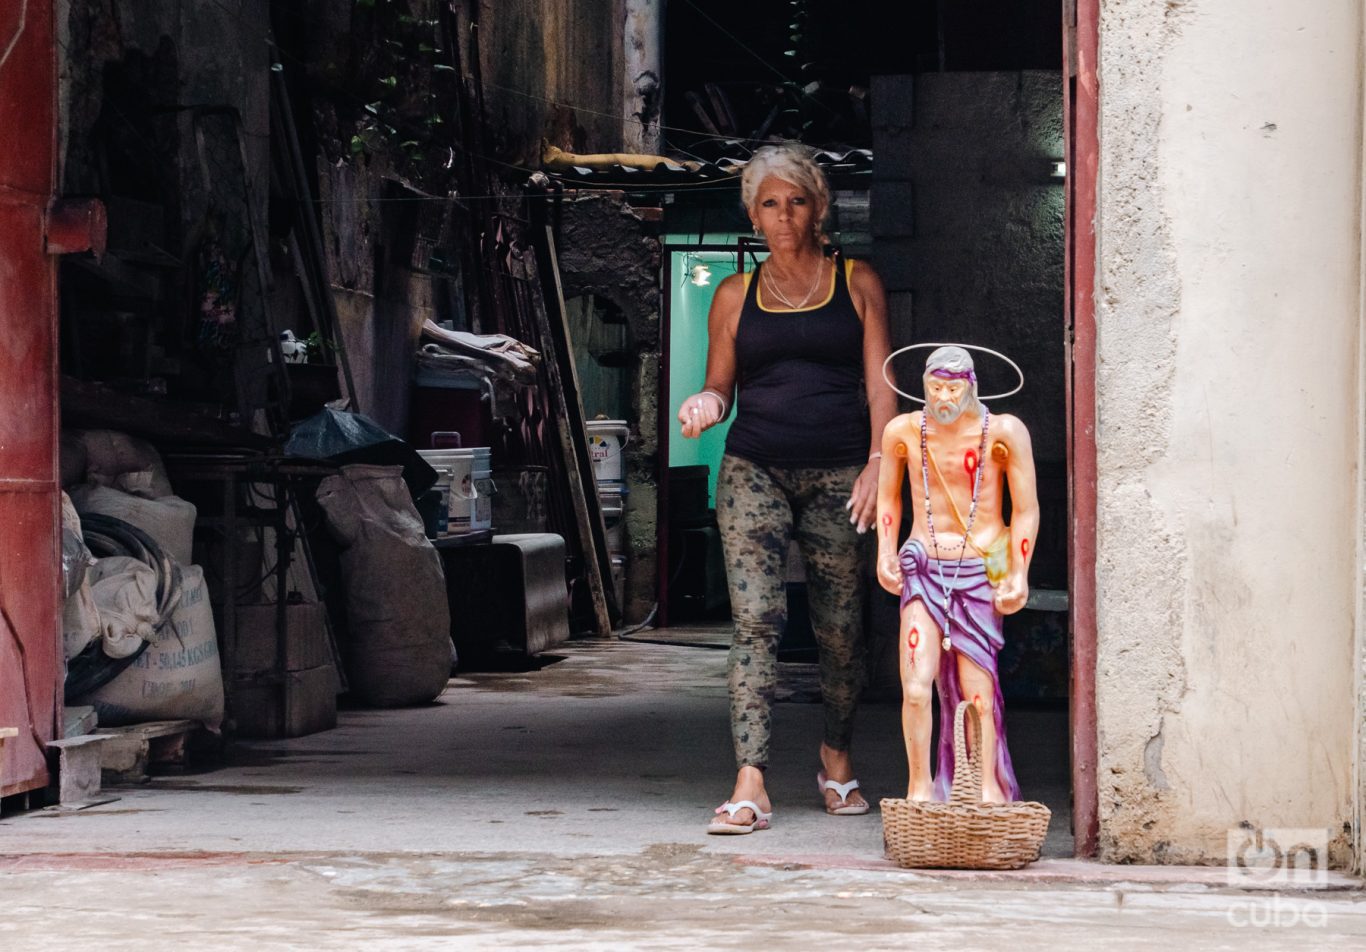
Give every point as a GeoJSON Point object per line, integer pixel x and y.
{"type": "Point", "coordinates": [725, 164]}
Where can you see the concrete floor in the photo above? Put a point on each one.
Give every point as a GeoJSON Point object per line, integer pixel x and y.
{"type": "Point", "coordinates": [564, 808]}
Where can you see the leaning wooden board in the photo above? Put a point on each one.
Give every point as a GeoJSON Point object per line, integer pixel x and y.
{"type": "Point", "coordinates": [564, 387]}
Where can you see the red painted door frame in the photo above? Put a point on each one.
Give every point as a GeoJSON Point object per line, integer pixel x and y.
{"type": "Point", "coordinates": [1081, 20]}
{"type": "Point", "coordinates": [30, 521]}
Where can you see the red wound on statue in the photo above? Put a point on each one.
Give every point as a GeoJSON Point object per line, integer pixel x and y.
{"type": "Point", "coordinates": [970, 463]}
{"type": "Point", "coordinates": [914, 638]}
{"type": "Point", "coordinates": [1024, 548]}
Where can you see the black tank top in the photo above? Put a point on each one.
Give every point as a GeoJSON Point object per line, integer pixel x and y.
{"type": "Point", "coordinates": [800, 397]}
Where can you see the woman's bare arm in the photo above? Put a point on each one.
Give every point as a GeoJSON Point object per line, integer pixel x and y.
{"type": "Point", "coordinates": [870, 301]}
{"type": "Point", "coordinates": [714, 401]}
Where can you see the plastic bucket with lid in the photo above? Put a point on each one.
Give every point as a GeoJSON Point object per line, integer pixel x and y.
{"type": "Point", "coordinates": [471, 486]}
{"type": "Point", "coordinates": [606, 441]}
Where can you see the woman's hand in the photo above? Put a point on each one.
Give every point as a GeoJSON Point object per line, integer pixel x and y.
{"type": "Point", "coordinates": [1011, 594]}
{"type": "Point", "coordinates": [700, 411]}
{"type": "Point", "coordinates": [862, 504]}
{"type": "Point", "coordinates": [889, 573]}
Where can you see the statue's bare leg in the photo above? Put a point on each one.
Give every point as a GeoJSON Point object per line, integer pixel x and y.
{"type": "Point", "coordinates": [979, 688]}
{"type": "Point", "coordinates": [919, 654]}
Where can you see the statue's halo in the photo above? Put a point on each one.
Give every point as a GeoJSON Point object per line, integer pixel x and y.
{"type": "Point", "coordinates": [985, 350]}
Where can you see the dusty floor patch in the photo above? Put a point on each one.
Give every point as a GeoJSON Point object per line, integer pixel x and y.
{"type": "Point", "coordinates": [671, 896]}
{"type": "Point", "coordinates": [530, 815]}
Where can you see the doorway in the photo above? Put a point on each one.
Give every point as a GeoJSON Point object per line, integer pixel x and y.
{"type": "Point", "coordinates": [975, 201]}
{"type": "Point", "coordinates": [691, 579]}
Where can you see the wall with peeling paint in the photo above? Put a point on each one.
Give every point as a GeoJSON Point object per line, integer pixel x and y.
{"type": "Point", "coordinates": [553, 70]}
{"type": "Point", "coordinates": [607, 251]}
{"type": "Point", "coordinates": [201, 50]}
{"type": "Point", "coordinates": [1228, 317]}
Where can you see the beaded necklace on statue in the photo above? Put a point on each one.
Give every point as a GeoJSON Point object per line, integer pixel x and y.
{"type": "Point", "coordinates": [946, 585]}
{"type": "Point", "coordinates": [777, 292]}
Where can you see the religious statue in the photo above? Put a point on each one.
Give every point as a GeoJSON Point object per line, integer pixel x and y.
{"type": "Point", "coordinates": [962, 569]}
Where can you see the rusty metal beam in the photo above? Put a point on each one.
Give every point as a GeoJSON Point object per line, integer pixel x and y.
{"type": "Point", "coordinates": [1081, 118]}
{"type": "Point", "coordinates": [30, 520]}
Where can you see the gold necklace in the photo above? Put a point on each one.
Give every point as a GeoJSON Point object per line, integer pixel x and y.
{"type": "Point", "coordinates": [778, 293]}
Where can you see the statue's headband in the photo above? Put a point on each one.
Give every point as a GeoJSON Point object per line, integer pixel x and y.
{"type": "Point", "coordinates": [955, 375]}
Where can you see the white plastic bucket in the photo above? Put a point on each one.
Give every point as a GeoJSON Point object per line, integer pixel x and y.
{"type": "Point", "coordinates": [606, 441]}
{"type": "Point", "coordinates": [471, 486]}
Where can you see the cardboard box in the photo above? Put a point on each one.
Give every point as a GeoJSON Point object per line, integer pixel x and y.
{"type": "Point", "coordinates": [309, 690]}
{"type": "Point", "coordinates": [310, 695]}
{"type": "Point", "coordinates": [305, 643]}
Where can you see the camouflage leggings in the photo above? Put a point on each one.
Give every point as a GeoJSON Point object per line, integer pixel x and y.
{"type": "Point", "coordinates": [758, 509]}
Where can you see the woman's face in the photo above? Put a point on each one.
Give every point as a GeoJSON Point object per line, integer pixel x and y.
{"type": "Point", "coordinates": [784, 213]}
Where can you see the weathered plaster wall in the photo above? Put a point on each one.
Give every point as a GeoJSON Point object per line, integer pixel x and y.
{"type": "Point", "coordinates": [130, 73]}
{"type": "Point", "coordinates": [1228, 317]}
{"type": "Point", "coordinates": [553, 70]}
{"type": "Point", "coordinates": [549, 70]}
{"type": "Point", "coordinates": [606, 250]}
{"type": "Point", "coordinates": [381, 301]}
{"type": "Point", "coordinates": [218, 61]}
{"type": "Point", "coordinates": [1359, 754]}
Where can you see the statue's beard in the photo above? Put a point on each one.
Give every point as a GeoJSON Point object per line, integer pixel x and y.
{"type": "Point", "coordinates": [946, 412]}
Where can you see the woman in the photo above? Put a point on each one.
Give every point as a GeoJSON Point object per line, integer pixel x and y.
{"type": "Point", "coordinates": [802, 339]}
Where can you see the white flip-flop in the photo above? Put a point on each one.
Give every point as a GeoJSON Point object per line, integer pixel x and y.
{"type": "Point", "coordinates": [725, 828]}
{"type": "Point", "coordinates": [844, 808]}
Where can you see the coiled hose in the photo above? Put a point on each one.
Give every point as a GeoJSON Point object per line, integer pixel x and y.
{"type": "Point", "coordinates": [108, 536]}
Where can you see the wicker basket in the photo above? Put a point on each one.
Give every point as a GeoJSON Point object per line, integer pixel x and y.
{"type": "Point", "coordinates": [965, 832]}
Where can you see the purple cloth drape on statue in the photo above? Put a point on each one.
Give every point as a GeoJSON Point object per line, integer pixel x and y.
{"type": "Point", "coordinates": [976, 630]}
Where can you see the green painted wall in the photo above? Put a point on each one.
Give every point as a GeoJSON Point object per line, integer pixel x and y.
{"type": "Point", "coordinates": [688, 309]}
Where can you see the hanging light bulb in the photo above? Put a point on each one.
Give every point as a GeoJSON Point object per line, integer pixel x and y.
{"type": "Point", "coordinates": [700, 275]}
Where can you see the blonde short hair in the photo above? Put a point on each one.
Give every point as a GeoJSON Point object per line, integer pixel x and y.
{"type": "Point", "coordinates": [791, 162]}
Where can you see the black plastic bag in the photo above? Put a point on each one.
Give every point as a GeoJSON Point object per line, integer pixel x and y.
{"type": "Point", "coordinates": [353, 438]}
